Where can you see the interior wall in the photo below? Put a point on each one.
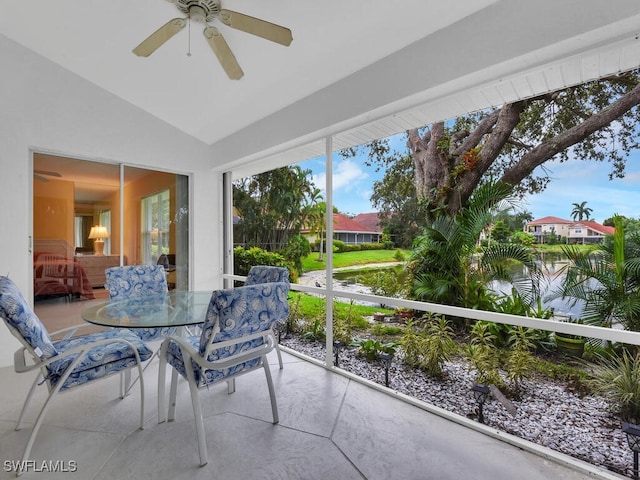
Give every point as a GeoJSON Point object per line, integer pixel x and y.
{"type": "Point", "coordinates": [46, 108]}
{"type": "Point", "coordinates": [55, 200]}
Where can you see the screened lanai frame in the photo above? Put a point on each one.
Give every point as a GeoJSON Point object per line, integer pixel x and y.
{"type": "Point", "coordinates": [425, 108]}
{"type": "Point", "coordinates": [329, 293]}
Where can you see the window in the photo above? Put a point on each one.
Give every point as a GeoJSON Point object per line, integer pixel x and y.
{"type": "Point", "coordinates": [155, 227]}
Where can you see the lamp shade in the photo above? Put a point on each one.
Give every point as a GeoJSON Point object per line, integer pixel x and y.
{"type": "Point", "coordinates": [98, 232]}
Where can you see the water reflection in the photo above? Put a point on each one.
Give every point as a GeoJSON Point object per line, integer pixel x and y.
{"type": "Point", "coordinates": [551, 265]}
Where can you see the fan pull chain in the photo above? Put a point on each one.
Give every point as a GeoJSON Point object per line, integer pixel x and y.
{"type": "Point", "coordinates": [189, 47]}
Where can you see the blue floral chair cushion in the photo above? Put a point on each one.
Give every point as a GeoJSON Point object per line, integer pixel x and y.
{"type": "Point", "coordinates": [232, 314]}
{"type": "Point", "coordinates": [266, 274]}
{"type": "Point", "coordinates": [65, 363]}
{"type": "Point", "coordinates": [101, 360]}
{"type": "Point", "coordinates": [137, 281]}
{"type": "Point", "coordinates": [15, 310]}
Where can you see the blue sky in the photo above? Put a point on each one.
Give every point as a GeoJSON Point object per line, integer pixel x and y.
{"type": "Point", "coordinates": [572, 182]}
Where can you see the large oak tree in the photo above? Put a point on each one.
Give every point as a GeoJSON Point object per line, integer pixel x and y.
{"type": "Point", "coordinates": [592, 121]}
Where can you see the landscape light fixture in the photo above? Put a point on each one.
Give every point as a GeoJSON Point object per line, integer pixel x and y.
{"type": "Point", "coordinates": [480, 393]}
{"type": "Point", "coordinates": [386, 359]}
{"type": "Point", "coordinates": [337, 345]}
{"type": "Point", "coordinates": [633, 439]}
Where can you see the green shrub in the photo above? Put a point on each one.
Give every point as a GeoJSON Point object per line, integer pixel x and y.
{"type": "Point", "coordinates": [371, 349]}
{"type": "Point", "coordinates": [372, 246]}
{"type": "Point", "coordinates": [382, 330]}
{"type": "Point", "coordinates": [519, 359]}
{"type": "Point", "coordinates": [343, 322]}
{"type": "Point", "coordinates": [384, 283]}
{"type": "Point", "coordinates": [618, 380]}
{"type": "Point", "coordinates": [244, 259]}
{"type": "Point", "coordinates": [430, 348]}
{"type": "Point", "coordinates": [484, 355]}
{"type": "Point", "coordinates": [338, 246]}
{"type": "Point", "coordinates": [414, 344]}
{"type": "Point", "coordinates": [399, 256]}
{"type": "Point", "coordinates": [439, 345]}
{"type": "Point", "coordinates": [297, 248]}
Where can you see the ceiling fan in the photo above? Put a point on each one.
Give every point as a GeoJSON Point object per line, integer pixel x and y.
{"type": "Point", "coordinates": [206, 11]}
{"type": "Point", "coordinates": [43, 174]}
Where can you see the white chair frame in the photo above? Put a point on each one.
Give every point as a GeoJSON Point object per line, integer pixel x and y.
{"type": "Point", "coordinates": [21, 366]}
{"type": "Point", "coordinates": [190, 354]}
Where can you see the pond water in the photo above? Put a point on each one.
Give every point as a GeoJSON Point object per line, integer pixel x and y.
{"type": "Point", "coordinates": [551, 264]}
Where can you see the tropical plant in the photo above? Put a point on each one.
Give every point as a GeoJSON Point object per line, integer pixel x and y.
{"type": "Point", "coordinates": [382, 330]}
{"type": "Point", "coordinates": [439, 345]}
{"type": "Point", "coordinates": [514, 304]}
{"type": "Point", "coordinates": [484, 355]}
{"type": "Point", "coordinates": [343, 322]}
{"type": "Point", "coordinates": [413, 344]}
{"type": "Point", "coordinates": [618, 380]}
{"type": "Point", "coordinates": [297, 248]}
{"type": "Point", "coordinates": [446, 267]}
{"type": "Point", "coordinates": [315, 215]}
{"type": "Point", "coordinates": [606, 280]}
{"type": "Point", "coordinates": [581, 211]}
{"type": "Point", "coordinates": [371, 349]}
{"type": "Point", "coordinates": [519, 358]}
{"type": "Point", "coordinates": [384, 283]}
{"type": "Point", "coordinates": [272, 206]}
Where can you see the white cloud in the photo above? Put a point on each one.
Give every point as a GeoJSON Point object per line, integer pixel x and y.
{"type": "Point", "coordinates": [351, 186]}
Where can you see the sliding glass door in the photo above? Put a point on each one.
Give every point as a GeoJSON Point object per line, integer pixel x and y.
{"type": "Point", "coordinates": [89, 216]}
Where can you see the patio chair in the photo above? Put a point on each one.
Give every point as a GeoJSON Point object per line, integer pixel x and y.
{"type": "Point", "coordinates": [69, 362]}
{"type": "Point", "coordinates": [236, 338]}
{"type": "Point", "coordinates": [137, 281]}
{"type": "Point", "coordinates": [266, 274]}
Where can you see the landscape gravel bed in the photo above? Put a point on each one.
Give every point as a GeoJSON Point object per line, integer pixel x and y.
{"type": "Point", "coordinates": [548, 413]}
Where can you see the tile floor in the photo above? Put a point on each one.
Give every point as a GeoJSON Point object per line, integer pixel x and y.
{"type": "Point", "coordinates": [331, 427]}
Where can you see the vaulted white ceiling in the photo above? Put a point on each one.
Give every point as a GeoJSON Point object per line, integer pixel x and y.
{"type": "Point", "coordinates": [331, 40]}
{"type": "Point", "coordinates": [357, 69]}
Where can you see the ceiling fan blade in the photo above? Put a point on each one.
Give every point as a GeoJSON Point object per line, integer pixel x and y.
{"type": "Point", "coordinates": [159, 37]}
{"type": "Point", "coordinates": [225, 56]}
{"type": "Point", "coordinates": [40, 177]}
{"type": "Point", "coordinates": [45, 172]}
{"type": "Point", "coordinates": [255, 26]}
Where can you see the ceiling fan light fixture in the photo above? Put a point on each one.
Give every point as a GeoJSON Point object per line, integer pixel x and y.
{"type": "Point", "coordinates": [207, 10]}
{"type": "Point", "coordinates": [197, 13]}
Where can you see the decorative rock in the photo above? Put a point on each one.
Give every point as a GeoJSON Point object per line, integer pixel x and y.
{"type": "Point", "coordinates": [547, 414]}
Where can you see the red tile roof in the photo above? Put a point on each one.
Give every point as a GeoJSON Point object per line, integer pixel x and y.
{"type": "Point", "coordinates": [341, 223]}
{"type": "Point", "coordinates": [369, 220]}
{"type": "Point", "coordinates": [547, 220]}
{"type": "Point", "coordinates": [597, 227]}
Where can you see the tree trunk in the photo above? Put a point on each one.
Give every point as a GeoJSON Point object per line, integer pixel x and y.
{"type": "Point", "coordinates": [450, 165]}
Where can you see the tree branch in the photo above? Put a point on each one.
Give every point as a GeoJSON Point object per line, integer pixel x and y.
{"type": "Point", "coordinates": [483, 128]}
{"type": "Point", "coordinates": [548, 149]}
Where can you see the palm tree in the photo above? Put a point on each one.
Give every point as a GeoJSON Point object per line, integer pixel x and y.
{"type": "Point", "coordinates": [581, 211]}
{"type": "Point", "coordinates": [315, 215]}
{"type": "Point", "coordinates": [446, 267]}
{"type": "Point", "coordinates": [607, 280]}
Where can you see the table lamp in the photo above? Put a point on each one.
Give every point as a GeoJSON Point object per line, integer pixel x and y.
{"type": "Point", "coordinates": [98, 233]}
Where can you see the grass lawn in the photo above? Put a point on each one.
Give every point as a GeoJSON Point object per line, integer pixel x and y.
{"type": "Point", "coordinates": [545, 248]}
{"type": "Point", "coordinates": [348, 259]}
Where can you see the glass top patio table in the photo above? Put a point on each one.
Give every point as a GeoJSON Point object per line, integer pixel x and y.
{"type": "Point", "coordinates": [173, 309]}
